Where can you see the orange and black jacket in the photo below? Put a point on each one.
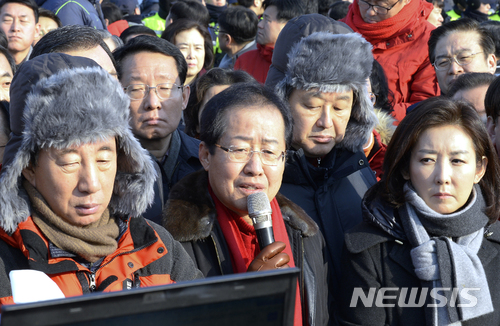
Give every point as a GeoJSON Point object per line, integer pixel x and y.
{"type": "Point", "coordinates": [146, 255]}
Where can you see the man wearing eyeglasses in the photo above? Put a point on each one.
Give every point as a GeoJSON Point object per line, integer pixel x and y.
{"type": "Point", "coordinates": [459, 47]}
{"type": "Point", "coordinates": [398, 31]}
{"type": "Point", "coordinates": [152, 72]}
{"type": "Point", "coordinates": [245, 131]}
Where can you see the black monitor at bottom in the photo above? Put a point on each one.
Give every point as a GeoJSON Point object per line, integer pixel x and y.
{"type": "Point", "coordinates": [263, 298]}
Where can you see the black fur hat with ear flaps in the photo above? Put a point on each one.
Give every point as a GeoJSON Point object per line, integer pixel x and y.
{"type": "Point", "coordinates": [70, 102]}
{"type": "Point", "coordinates": [335, 63]}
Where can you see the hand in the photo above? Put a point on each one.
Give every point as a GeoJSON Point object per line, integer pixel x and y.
{"type": "Point", "coordinates": [271, 257]}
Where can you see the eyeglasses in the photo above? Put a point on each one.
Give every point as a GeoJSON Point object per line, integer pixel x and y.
{"type": "Point", "coordinates": [462, 59]}
{"type": "Point", "coordinates": [373, 98]}
{"type": "Point", "coordinates": [243, 155]}
{"type": "Point", "coordinates": [140, 91]}
{"type": "Point", "coordinates": [378, 9]}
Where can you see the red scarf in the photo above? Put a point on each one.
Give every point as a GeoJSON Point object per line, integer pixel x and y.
{"type": "Point", "coordinates": [388, 28]}
{"type": "Point", "coordinates": [237, 233]}
{"type": "Point", "coordinates": [266, 51]}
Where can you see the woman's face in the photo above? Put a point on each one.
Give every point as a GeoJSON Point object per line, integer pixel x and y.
{"type": "Point", "coordinates": [444, 168]}
{"type": "Point", "coordinates": [192, 46]}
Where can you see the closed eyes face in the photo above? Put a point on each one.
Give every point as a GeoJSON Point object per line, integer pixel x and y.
{"type": "Point", "coordinates": [18, 23]}
{"type": "Point", "coordinates": [443, 168]}
{"type": "Point", "coordinates": [320, 120]}
{"type": "Point", "coordinates": [76, 182]}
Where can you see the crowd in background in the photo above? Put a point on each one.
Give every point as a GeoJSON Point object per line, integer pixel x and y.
{"type": "Point", "coordinates": [132, 133]}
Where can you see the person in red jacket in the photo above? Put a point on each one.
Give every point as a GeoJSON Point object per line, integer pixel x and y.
{"type": "Point", "coordinates": [78, 181]}
{"type": "Point", "coordinates": [276, 14]}
{"type": "Point", "coordinates": [399, 31]}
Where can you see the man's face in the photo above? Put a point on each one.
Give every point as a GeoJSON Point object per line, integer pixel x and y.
{"type": "Point", "coordinates": [97, 54]}
{"type": "Point", "coordinates": [474, 96]}
{"type": "Point", "coordinates": [18, 23]}
{"type": "Point", "coordinates": [5, 78]}
{"type": "Point", "coordinates": [269, 27]}
{"type": "Point", "coordinates": [371, 16]}
{"type": "Point", "coordinates": [435, 18]}
{"type": "Point", "coordinates": [320, 120]}
{"type": "Point", "coordinates": [461, 43]}
{"type": "Point", "coordinates": [47, 25]}
{"type": "Point", "coordinates": [76, 182]}
{"type": "Point", "coordinates": [153, 118]}
{"type": "Point", "coordinates": [257, 128]}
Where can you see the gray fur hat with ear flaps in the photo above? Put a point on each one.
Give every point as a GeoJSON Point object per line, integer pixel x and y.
{"type": "Point", "coordinates": [73, 107]}
{"type": "Point", "coordinates": [335, 63]}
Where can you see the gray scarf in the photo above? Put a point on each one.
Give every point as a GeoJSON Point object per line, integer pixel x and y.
{"type": "Point", "coordinates": [444, 255]}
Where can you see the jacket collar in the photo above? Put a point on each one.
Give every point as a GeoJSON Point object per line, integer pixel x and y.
{"type": "Point", "coordinates": [190, 213]}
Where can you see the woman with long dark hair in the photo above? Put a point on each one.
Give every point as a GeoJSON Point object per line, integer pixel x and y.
{"type": "Point", "coordinates": [427, 250]}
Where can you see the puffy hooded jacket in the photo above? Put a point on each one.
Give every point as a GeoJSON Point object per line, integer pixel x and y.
{"type": "Point", "coordinates": [65, 101]}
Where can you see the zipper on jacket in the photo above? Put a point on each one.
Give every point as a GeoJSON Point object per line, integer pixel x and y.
{"type": "Point", "coordinates": [217, 253]}
{"type": "Point", "coordinates": [92, 286]}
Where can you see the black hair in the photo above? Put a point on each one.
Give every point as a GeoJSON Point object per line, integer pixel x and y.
{"type": "Point", "coordinates": [190, 9]}
{"type": "Point", "coordinates": [111, 12]}
{"type": "Point", "coordinates": [70, 38]}
{"type": "Point", "coordinates": [431, 113]}
{"type": "Point", "coordinates": [135, 30]}
{"type": "Point", "coordinates": [213, 77]}
{"type": "Point", "coordinates": [493, 27]}
{"type": "Point", "coordinates": [117, 41]}
{"type": "Point", "coordinates": [246, 3]}
{"type": "Point", "coordinates": [380, 88]}
{"type": "Point", "coordinates": [470, 80]}
{"type": "Point", "coordinates": [28, 3]}
{"type": "Point", "coordinates": [339, 10]}
{"type": "Point", "coordinates": [42, 12]}
{"type": "Point", "coordinates": [154, 44]}
{"type": "Point", "coordinates": [240, 23]}
{"type": "Point", "coordinates": [461, 25]}
{"type": "Point", "coordinates": [241, 95]}
{"type": "Point", "coordinates": [3, 39]}
{"type": "Point", "coordinates": [10, 59]}
{"type": "Point", "coordinates": [324, 6]}
{"type": "Point", "coordinates": [287, 9]}
{"type": "Point", "coordinates": [492, 100]}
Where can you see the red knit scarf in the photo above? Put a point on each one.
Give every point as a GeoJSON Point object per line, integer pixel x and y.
{"type": "Point", "coordinates": [386, 29]}
{"type": "Point", "coordinates": [237, 233]}
{"type": "Point", "coordinates": [266, 51]}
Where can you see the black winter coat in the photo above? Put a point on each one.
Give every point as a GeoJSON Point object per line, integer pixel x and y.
{"type": "Point", "coordinates": [183, 160]}
{"type": "Point", "coordinates": [331, 194]}
{"type": "Point", "coordinates": [191, 218]}
{"type": "Point", "coordinates": [377, 254]}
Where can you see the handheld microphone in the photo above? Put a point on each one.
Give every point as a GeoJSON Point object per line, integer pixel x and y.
{"type": "Point", "coordinates": [259, 210]}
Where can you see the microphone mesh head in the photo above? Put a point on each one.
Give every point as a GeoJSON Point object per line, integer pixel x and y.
{"type": "Point", "coordinates": [258, 202]}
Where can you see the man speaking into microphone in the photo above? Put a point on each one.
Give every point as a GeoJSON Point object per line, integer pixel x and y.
{"type": "Point", "coordinates": [245, 131]}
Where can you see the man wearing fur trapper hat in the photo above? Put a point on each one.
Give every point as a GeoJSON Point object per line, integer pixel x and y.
{"type": "Point", "coordinates": [76, 185]}
{"type": "Point", "coordinates": [327, 172]}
